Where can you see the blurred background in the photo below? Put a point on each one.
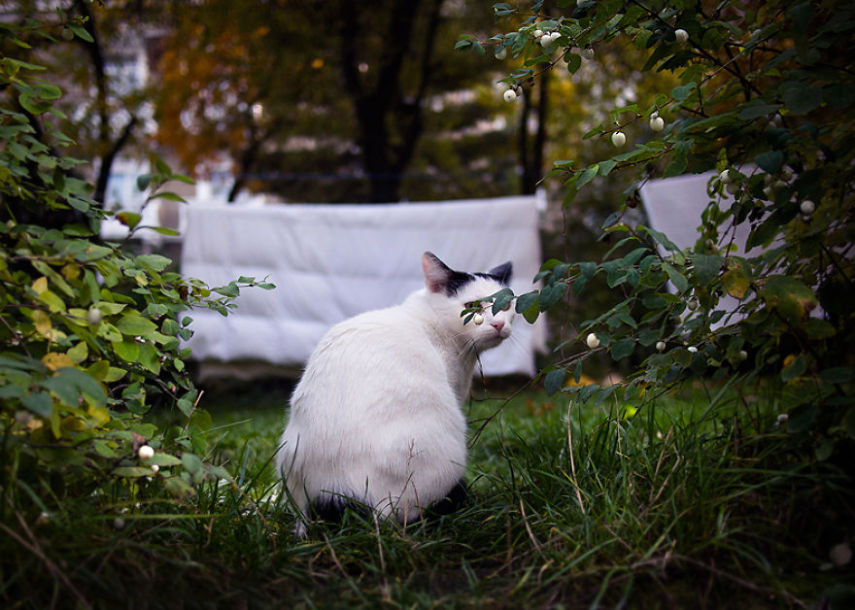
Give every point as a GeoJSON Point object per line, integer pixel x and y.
{"type": "Point", "coordinates": [300, 101]}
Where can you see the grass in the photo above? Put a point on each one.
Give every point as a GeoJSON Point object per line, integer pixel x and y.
{"type": "Point", "coordinates": [688, 500]}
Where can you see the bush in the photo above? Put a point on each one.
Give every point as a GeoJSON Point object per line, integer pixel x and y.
{"type": "Point", "coordinates": [766, 101]}
{"type": "Point", "coordinates": [90, 335]}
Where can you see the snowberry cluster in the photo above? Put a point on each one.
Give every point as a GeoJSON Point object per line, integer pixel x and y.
{"type": "Point", "coordinates": [546, 39]}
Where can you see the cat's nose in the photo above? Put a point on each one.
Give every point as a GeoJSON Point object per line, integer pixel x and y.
{"type": "Point", "coordinates": [498, 325]}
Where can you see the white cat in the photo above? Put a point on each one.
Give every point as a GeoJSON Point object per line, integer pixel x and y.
{"type": "Point", "coordinates": [376, 418]}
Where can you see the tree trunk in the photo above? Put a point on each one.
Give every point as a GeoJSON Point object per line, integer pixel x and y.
{"type": "Point", "coordinates": [383, 108]}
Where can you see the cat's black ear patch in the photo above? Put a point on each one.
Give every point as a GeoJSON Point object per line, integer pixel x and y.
{"type": "Point", "coordinates": [502, 273]}
{"type": "Point", "coordinates": [439, 277]}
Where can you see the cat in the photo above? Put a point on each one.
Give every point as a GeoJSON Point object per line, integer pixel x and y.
{"type": "Point", "coordinates": [376, 419]}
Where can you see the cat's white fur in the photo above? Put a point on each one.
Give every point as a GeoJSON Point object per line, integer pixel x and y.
{"type": "Point", "coordinates": [377, 416]}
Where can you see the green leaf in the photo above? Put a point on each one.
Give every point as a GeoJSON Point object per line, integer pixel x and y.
{"type": "Point", "coordinates": [73, 382]}
{"type": "Point", "coordinates": [502, 299]}
{"type": "Point", "coordinates": [149, 357]}
{"type": "Point", "coordinates": [838, 374]}
{"type": "Point", "coordinates": [551, 294]}
{"type": "Point", "coordinates": [706, 267]}
{"type": "Point", "coordinates": [524, 301]}
{"type": "Point", "coordinates": [622, 348]}
{"type": "Point", "coordinates": [678, 279]}
{"type": "Point", "coordinates": [554, 381]}
{"type": "Point", "coordinates": [128, 350]}
{"type": "Point", "coordinates": [81, 32]}
{"type": "Point", "coordinates": [192, 463]}
{"type": "Point", "coordinates": [587, 175]}
{"type": "Point", "coordinates": [164, 459]}
{"type": "Point", "coordinates": [40, 403]}
{"type": "Point", "coordinates": [155, 262]}
{"type": "Point", "coordinates": [802, 417]}
{"type": "Point", "coordinates": [132, 323]}
{"type": "Point", "coordinates": [169, 196]}
{"type": "Point", "coordinates": [770, 161]}
{"type": "Point", "coordinates": [662, 239]}
{"type": "Point", "coordinates": [755, 109]}
{"type": "Point", "coordinates": [131, 472]}
{"type": "Point", "coordinates": [795, 369]}
{"type": "Point", "coordinates": [800, 97]}
{"type": "Point", "coordinates": [682, 92]}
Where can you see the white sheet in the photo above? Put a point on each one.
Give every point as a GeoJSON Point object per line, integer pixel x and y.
{"type": "Point", "coordinates": [330, 262]}
{"type": "Point", "coordinates": [674, 206]}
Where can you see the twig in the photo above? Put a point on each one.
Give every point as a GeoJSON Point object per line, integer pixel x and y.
{"type": "Point", "coordinates": [572, 459]}
{"type": "Point", "coordinates": [528, 529]}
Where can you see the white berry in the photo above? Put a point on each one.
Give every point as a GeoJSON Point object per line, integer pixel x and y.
{"type": "Point", "coordinates": [681, 35]}
{"type": "Point", "coordinates": [743, 355]}
{"type": "Point", "coordinates": [692, 349]}
{"type": "Point", "coordinates": [502, 53]}
{"type": "Point", "coordinates": [146, 452]}
{"type": "Point", "coordinates": [807, 207]}
{"type": "Point", "coordinates": [510, 95]}
{"type": "Point", "coordinates": [538, 33]}
{"type": "Point", "coordinates": [660, 346]}
{"type": "Point", "coordinates": [588, 53]}
{"type": "Point", "coordinates": [593, 341]}
{"type": "Point", "coordinates": [155, 468]}
{"type": "Point", "coordinates": [657, 123]}
{"type": "Point", "coordinates": [546, 41]}
{"type": "Point", "coordinates": [724, 176]}
{"type": "Point", "coordinates": [618, 138]}
{"type": "Point", "coordinates": [478, 319]}
{"type": "Point", "coordinates": [118, 523]}
{"type": "Point", "coordinates": [94, 316]}
{"type": "Point", "coordinates": [555, 35]}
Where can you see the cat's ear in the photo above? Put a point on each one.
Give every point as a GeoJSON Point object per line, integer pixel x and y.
{"type": "Point", "coordinates": [437, 273]}
{"type": "Point", "coordinates": [502, 273]}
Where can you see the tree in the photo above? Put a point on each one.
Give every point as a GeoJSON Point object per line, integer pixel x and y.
{"type": "Point", "coordinates": [360, 110]}
{"type": "Point", "coordinates": [88, 44]}
{"type": "Point", "coordinates": [765, 98]}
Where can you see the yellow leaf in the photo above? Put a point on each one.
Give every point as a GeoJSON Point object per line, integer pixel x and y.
{"type": "Point", "coordinates": [100, 415]}
{"type": "Point", "coordinates": [79, 352]}
{"type": "Point", "coordinates": [41, 321]}
{"type": "Point", "coordinates": [736, 282]}
{"type": "Point", "coordinates": [71, 271]}
{"type": "Point", "coordinates": [54, 360]}
{"type": "Point", "coordinates": [114, 374]}
{"type": "Point", "coordinates": [40, 285]}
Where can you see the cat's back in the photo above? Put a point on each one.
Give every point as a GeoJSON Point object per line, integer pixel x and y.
{"type": "Point", "coordinates": [375, 351]}
{"type": "Point", "coordinates": [375, 335]}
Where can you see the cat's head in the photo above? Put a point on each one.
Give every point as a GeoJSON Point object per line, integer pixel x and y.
{"type": "Point", "coordinates": [456, 291]}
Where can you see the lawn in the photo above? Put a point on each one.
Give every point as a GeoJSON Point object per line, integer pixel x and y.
{"type": "Point", "coordinates": [685, 499]}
